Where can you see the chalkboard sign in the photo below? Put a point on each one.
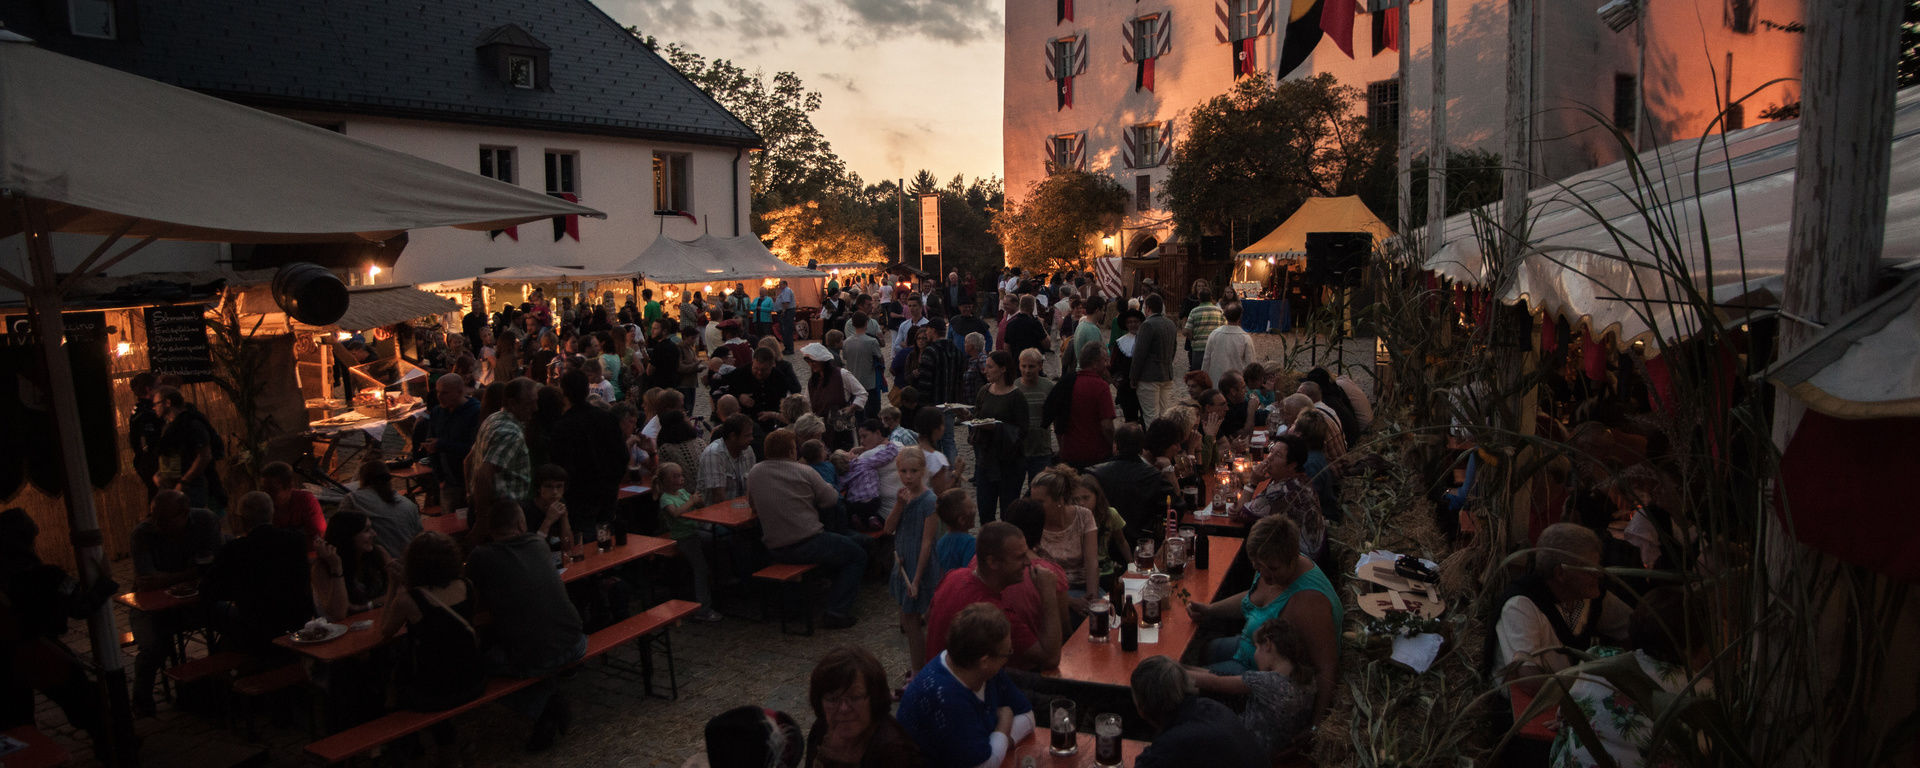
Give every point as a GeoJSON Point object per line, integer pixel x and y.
{"type": "Point", "coordinates": [177, 342]}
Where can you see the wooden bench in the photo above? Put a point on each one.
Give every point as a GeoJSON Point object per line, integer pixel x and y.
{"type": "Point", "coordinates": [787, 579]}
{"type": "Point", "coordinates": [269, 682]}
{"type": "Point", "coordinates": [218, 664]}
{"type": "Point", "coordinates": [639, 627]}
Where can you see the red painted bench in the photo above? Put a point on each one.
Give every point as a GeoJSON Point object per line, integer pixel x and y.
{"type": "Point", "coordinates": [787, 578]}
{"type": "Point", "coordinates": [639, 627]}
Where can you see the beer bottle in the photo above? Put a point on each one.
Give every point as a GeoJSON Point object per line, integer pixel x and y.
{"type": "Point", "coordinates": [1129, 626]}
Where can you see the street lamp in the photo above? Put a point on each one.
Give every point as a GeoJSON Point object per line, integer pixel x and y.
{"type": "Point", "coordinates": [1107, 243]}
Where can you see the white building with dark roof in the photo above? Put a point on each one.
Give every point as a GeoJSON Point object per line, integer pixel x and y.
{"type": "Point", "coordinates": [552, 95]}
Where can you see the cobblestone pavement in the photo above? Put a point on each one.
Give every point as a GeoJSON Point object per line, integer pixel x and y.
{"type": "Point", "coordinates": [737, 661]}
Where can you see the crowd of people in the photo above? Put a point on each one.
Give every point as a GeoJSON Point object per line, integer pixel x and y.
{"type": "Point", "coordinates": [541, 412]}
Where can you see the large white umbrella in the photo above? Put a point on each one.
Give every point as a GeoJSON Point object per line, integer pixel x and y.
{"type": "Point", "coordinates": [92, 150]}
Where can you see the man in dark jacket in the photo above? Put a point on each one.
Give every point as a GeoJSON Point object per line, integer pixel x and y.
{"type": "Point", "coordinates": [1152, 368]}
{"type": "Point", "coordinates": [943, 369]}
{"type": "Point", "coordinates": [663, 356]}
{"type": "Point", "coordinates": [258, 582]}
{"type": "Point", "coordinates": [1191, 727]}
{"type": "Point", "coordinates": [449, 431]}
{"type": "Point", "coordinates": [1136, 486]}
{"type": "Point", "coordinates": [587, 444]}
{"type": "Point", "coordinates": [1024, 331]}
{"type": "Point", "coordinates": [143, 431]}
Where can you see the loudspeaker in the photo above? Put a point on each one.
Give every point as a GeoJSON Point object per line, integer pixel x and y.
{"type": "Point", "coordinates": [1215, 248]}
{"type": "Point", "coordinates": [1337, 258]}
{"type": "Point", "coordinates": [310, 293]}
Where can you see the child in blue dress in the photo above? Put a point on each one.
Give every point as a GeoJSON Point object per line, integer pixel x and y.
{"type": "Point", "coordinates": [911, 524]}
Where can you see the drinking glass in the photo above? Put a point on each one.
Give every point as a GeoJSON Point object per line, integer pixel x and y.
{"type": "Point", "coordinates": [1099, 619]}
{"type": "Point", "coordinates": [1106, 740]}
{"type": "Point", "coordinates": [1176, 557]}
{"type": "Point", "coordinates": [1061, 720]}
{"type": "Point", "coordinates": [1143, 556]}
{"type": "Point", "coordinates": [603, 536]}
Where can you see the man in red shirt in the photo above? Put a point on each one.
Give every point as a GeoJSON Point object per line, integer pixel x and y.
{"type": "Point", "coordinates": [1003, 566]}
{"type": "Point", "coordinates": [293, 507]}
{"type": "Point", "coordinates": [1088, 437]}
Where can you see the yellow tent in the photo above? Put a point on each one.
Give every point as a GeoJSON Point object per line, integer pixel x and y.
{"type": "Point", "coordinates": [1318, 214]}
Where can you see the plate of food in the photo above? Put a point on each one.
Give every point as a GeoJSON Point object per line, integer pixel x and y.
{"type": "Point", "coordinates": [318, 632]}
{"type": "Point", "coordinates": [981, 422]}
{"type": "Point", "coordinates": [955, 407]}
{"type": "Point", "coordinates": [183, 591]}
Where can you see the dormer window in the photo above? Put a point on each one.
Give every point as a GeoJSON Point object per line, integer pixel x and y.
{"type": "Point", "coordinates": [520, 71]}
{"type": "Point", "coordinates": [516, 57]}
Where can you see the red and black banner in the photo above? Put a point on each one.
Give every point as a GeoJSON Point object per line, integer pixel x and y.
{"type": "Point", "coordinates": [1065, 92]}
{"type": "Point", "coordinates": [1303, 34]}
{"type": "Point", "coordinates": [1143, 75]}
{"type": "Point", "coordinates": [1386, 30]}
{"type": "Point", "coordinates": [1244, 60]}
{"type": "Point", "coordinates": [1063, 11]}
{"type": "Point", "coordinates": [568, 225]}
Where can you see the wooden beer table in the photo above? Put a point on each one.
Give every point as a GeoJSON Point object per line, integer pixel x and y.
{"type": "Point", "coordinates": [1036, 744]}
{"type": "Point", "coordinates": [1086, 661]}
{"type": "Point", "coordinates": [732, 513]}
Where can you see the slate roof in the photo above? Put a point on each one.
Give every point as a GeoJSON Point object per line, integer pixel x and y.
{"type": "Point", "coordinates": [402, 58]}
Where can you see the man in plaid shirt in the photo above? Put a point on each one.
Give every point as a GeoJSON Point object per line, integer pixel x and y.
{"type": "Point", "coordinates": [502, 469]}
{"type": "Point", "coordinates": [1205, 317]}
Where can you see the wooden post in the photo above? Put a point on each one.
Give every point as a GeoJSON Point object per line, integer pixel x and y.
{"type": "Point", "coordinates": [1405, 135]}
{"type": "Point", "coordinates": [1840, 187]}
{"type": "Point", "coordinates": [83, 521]}
{"type": "Point", "coordinates": [1518, 176]}
{"type": "Point", "coordinates": [1437, 134]}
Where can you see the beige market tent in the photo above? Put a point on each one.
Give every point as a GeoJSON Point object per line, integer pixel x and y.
{"type": "Point", "coordinates": [92, 150]}
{"type": "Point", "coordinates": [529, 273]}
{"type": "Point", "coordinates": [1317, 214]}
{"type": "Point", "coordinates": [1723, 203]}
{"type": "Point", "coordinates": [711, 259]}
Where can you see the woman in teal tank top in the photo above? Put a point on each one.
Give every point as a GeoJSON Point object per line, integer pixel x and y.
{"type": "Point", "coordinates": [1287, 585]}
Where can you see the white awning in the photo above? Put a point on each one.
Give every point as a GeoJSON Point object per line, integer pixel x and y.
{"type": "Point", "coordinates": [1723, 202]}
{"type": "Point", "coordinates": [711, 259]}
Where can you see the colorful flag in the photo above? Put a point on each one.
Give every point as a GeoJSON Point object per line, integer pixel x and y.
{"type": "Point", "coordinates": [1336, 19]}
{"type": "Point", "coordinates": [1386, 29]}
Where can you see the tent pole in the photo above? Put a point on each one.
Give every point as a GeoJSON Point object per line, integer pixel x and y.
{"type": "Point", "coordinates": [83, 524]}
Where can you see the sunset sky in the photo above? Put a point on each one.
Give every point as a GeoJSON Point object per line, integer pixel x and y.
{"type": "Point", "coordinates": [905, 84]}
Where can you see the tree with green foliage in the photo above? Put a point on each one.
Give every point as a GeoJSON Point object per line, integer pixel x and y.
{"type": "Point", "coordinates": [1251, 156]}
{"type": "Point", "coordinates": [1473, 180]}
{"type": "Point", "coordinates": [1055, 226]}
{"type": "Point", "coordinates": [798, 164]}
{"type": "Point", "coordinates": [824, 232]}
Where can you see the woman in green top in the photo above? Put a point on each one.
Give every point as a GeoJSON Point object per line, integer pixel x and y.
{"type": "Point", "coordinates": [1112, 527]}
{"type": "Point", "coordinates": [1287, 585]}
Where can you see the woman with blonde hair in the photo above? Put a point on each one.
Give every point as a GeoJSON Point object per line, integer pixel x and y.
{"type": "Point", "coordinates": [1286, 585]}
{"type": "Point", "coordinates": [1071, 538]}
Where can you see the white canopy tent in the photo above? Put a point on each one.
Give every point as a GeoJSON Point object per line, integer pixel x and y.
{"type": "Point", "coordinates": [1722, 202]}
{"type": "Point", "coordinates": [92, 150]}
{"type": "Point", "coordinates": [529, 273]}
{"type": "Point", "coordinates": [711, 259]}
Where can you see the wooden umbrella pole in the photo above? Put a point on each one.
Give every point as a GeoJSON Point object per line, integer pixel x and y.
{"type": "Point", "coordinates": [83, 522]}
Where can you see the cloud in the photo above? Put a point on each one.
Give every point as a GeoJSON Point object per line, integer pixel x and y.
{"type": "Point", "coordinates": [953, 21]}
{"type": "Point", "coordinates": [844, 81]}
{"type": "Point", "coordinates": [671, 20]}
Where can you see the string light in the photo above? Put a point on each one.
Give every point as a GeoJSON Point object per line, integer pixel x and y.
{"type": "Point", "coordinates": [121, 349]}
